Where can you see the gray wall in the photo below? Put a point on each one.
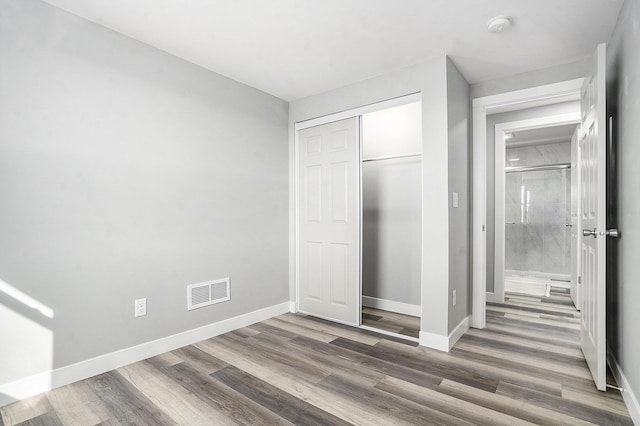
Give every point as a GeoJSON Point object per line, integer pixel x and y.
{"type": "Point", "coordinates": [392, 205]}
{"type": "Point", "coordinates": [623, 99]}
{"type": "Point", "coordinates": [430, 79]}
{"type": "Point", "coordinates": [459, 218]}
{"type": "Point", "coordinates": [126, 173]}
{"type": "Point", "coordinates": [492, 121]}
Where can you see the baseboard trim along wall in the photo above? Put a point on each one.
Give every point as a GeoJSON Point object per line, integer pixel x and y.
{"type": "Point", "coordinates": [445, 343]}
{"type": "Point", "coordinates": [459, 331]}
{"type": "Point", "coordinates": [434, 341]}
{"type": "Point", "coordinates": [392, 306]}
{"type": "Point", "coordinates": [490, 297]}
{"type": "Point", "coordinates": [629, 397]}
{"type": "Point", "coordinates": [58, 377]}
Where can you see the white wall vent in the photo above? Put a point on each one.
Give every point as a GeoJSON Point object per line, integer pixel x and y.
{"type": "Point", "coordinates": [207, 293]}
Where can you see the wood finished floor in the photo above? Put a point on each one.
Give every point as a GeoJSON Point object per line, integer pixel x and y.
{"type": "Point", "coordinates": [524, 368]}
{"type": "Point", "coordinates": [391, 321]}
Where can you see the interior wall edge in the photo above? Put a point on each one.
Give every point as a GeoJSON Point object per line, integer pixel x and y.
{"type": "Point", "coordinates": [434, 341]}
{"type": "Point", "coordinates": [459, 331]}
{"type": "Point", "coordinates": [445, 343]}
{"type": "Point", "coordinates": [458, 153]}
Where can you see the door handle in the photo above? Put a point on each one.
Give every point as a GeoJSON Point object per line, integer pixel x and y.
{"type": "Point", "coordinates": [592, 232]}
{"type": "Point", "coordinates": [613, 233]}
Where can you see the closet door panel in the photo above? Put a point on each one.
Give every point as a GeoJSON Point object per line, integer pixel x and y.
{"type": "Point", "coordinates": [328, 222]}
{"type": "Point", "coordinates": [339, 192]}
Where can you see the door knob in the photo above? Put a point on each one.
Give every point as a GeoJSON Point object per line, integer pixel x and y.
{"type": "Point", "coordinates": [592, 232]}
{"type": "Point", "coordinates": [613, 233]}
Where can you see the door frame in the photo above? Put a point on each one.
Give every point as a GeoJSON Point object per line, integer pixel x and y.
{"type": "Point", "coordinates": [509, 101]}
{"type": "Point", "coordinates": [500, 189]}
{"type": "Point", "coordinates": [342, 115]}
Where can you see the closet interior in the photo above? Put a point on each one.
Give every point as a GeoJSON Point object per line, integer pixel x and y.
{"type": "Point", "coordinates": [392, 219]}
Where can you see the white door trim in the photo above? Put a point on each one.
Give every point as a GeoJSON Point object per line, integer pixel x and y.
{"type": "Point", "coordinates": [509, 101]}
{"type": "Point", "coordinates": [499, 166]}
{"type": "Point", "coordinates": [365, 109]}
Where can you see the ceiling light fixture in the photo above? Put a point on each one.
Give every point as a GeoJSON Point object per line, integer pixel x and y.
{"type": "Point", "coordinates": [499, 24]}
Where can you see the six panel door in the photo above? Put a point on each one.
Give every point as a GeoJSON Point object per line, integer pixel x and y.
{"type": "Point", "coordinates": [329, 221]}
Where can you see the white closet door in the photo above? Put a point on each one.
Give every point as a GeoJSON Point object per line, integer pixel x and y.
{"type": "Point", "coordinates": [329, 221]}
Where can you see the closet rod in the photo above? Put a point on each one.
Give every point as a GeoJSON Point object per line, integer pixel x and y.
{"type": "Point", "coordinates": [538, 168]}
{"type": "Point", "coordinates": [392, 157]}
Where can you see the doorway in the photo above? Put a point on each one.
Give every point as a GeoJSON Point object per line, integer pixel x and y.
{"type": "Point", "coordinates": [592, 151]}
{"type": "Point", "coordinates": [534, 253]}
{"type": "Point", "coordinates": [533, 210]}
{"type": "Point", "coordinates": [484, 110]}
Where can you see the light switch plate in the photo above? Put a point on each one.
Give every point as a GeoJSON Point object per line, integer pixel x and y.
{"type": "Point", "coordinates": [455, 199]}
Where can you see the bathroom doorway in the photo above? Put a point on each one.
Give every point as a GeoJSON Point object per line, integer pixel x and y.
{"type": "Point", "coordinates": [536, 206]}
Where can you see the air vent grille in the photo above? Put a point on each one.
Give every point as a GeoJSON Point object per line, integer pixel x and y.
{"type": "Point", "coordinates": [207, 293]}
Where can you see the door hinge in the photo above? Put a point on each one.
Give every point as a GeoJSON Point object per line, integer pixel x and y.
{"type": "Point", "coordinates": [579, 279]}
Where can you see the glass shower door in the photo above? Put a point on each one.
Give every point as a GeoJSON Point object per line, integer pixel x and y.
{"type": "Point", "coordinates": [537, 209]}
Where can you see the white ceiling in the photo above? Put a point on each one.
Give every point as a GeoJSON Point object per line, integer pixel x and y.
{"type": "Point", "coordinates": [297, 48]}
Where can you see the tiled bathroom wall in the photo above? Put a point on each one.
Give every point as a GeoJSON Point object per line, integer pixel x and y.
{"type": "Point", "coordinates": [537, 207]}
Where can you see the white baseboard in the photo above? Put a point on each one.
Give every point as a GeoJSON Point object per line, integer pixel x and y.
{"type": "Point", "coordinates": [389, 333]}
{"type": "Point", "coordinates": [459, 331]}
{"type": "Point", "coordinates": [43, 382]}
{"type": "Point", "coordinates": [542, 275]}
{"type": "Point", "coordinates": [630, 399]}
{"type": "Point", "coordinates": [445, 343]}
{"type": "Point", "coordinates": [293, 307]}
{"type": "Point", "coordinates": [494, 298]}
{"type": "Point", "coordinates": [434, 341]}
{"type": "Point", "coordinates": [392, 306]}
{"type": "Point", "coordinates": [490, 297]}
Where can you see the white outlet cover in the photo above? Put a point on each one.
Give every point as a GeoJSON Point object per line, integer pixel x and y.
{"type": "Point", "coordinates": [140, 307]}
{"type": "Point", "coordinates": [455, 199]}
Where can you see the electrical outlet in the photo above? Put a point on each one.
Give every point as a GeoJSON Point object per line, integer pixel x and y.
{"type": "Point", "coordinates": [455, 199]}
{"type": "Point", "coordinates": [140, 307]}
{"type": "Point", "coordinates": [454, 297]}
